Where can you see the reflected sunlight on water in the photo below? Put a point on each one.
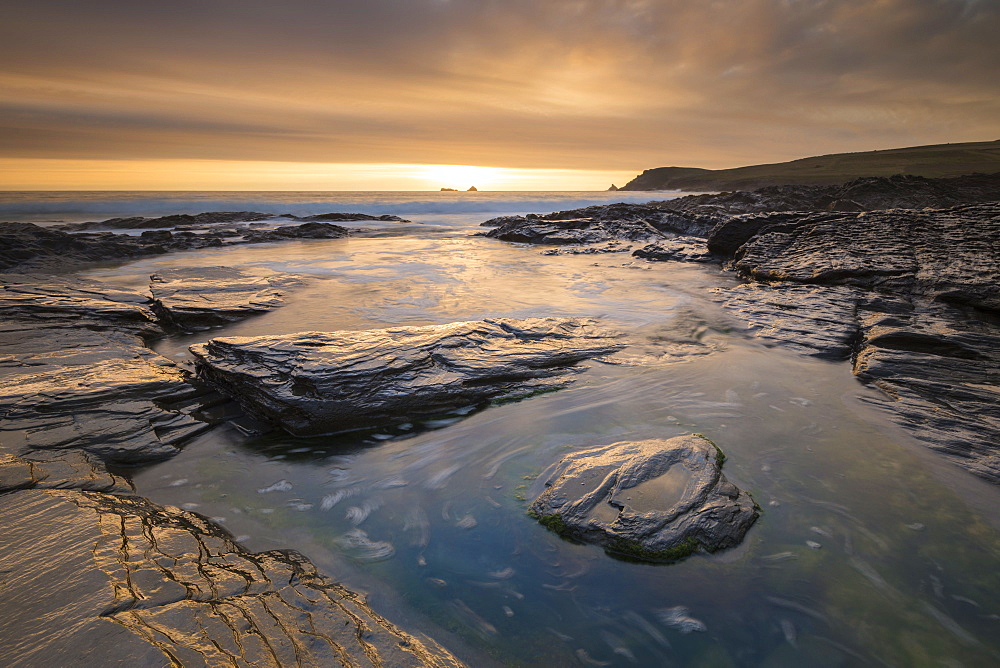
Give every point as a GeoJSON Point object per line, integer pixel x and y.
{"type": "Point", "coordinates": [862, 554]}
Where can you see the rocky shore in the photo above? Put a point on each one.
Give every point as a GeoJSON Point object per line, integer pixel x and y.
{"type": "Point", "coordinates": [92, 573]}
{"type": "Point", "coordinates": [887, 273]}
{"type": "Point", "coordinates": [26, 247]}
{"type": "Point", "coordinates": [893, 276]}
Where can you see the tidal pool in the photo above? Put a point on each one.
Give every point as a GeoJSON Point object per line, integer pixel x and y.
{"type": "Point", "coordinates": [869, 550]}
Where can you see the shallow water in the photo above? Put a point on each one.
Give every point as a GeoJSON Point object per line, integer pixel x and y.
{"type": "Point", "coordinates": [869, 549]}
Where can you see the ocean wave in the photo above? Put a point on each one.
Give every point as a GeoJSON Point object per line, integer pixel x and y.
{"type": "Point", "coordinates": [89, 205]}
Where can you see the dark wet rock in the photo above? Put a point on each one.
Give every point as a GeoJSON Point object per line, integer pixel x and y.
{"type": "Point", "coordinates": [304, 231]}
{"type": "Point", "coordinates": [321, 382]}
{"type": "Point", "coordinates": [676, 249]}
{"type": "Point", "coordinates": [863, 194]}
{"type": "Point", "coordinates": [201, 297]}
{"type": "Point", "coordinates": [632, 222]}
{"type": "Point", "coordinates": [73, 304]}
{"type": "Point", "coordinates": [655, 500]}
{"type": "Point", "coordinates": [572, 231]}
{"type": "Point", "coordinates": [820, 321]}
{"type": "Point", "coordinates": [939, 370]}
{"type": "Point", "coordinates": [26, 247]}
{"type": "Point", "coordinates": [591, 249]}
{"type": "Point", "coordinates": [734, 231]}
{"type": "Point", "coordinates": [349, 216]}
{"type": "Point", "coordinates": [184, 219]}
{"type": "Point", "coordinates": [101, 579]}
{"type": "Point", "coordinates": [21, 243]}
{"type": "Point", "coordinates": [74, 373]}
{"type": "Point", "coordinates": [947, 254]}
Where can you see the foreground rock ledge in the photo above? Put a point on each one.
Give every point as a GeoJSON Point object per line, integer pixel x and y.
{"type": "Point", "coordinates": [313, 383]}
{"type": "Point", "coordinates": [113, 579]}
{"type": "Point", "coordinates": [655, 500]}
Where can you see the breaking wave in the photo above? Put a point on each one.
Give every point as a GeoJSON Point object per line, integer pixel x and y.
{"type": "Point", "coordinates": [77, 206]}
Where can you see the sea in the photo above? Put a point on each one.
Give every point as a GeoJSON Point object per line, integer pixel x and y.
{"type": "Point", "coordinates": [870, 549]}
{"type": "Point", "coordinates": [56, 207]}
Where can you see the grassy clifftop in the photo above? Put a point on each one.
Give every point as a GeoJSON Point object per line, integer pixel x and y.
{"type": "Point", "coordinates": [940, 160]}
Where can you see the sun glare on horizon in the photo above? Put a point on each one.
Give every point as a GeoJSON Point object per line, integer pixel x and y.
{"type": "Point", "coordinates": [460, 177]}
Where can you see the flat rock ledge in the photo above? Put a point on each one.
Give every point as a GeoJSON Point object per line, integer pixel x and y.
{"type": "Point", "coordinates": [655, 500]}
{"type": "Point", "coordinates": [312, 383]}
{"type": "Point", "coordinates": [197, 298]}
{"type": "Point", "coordinates": [108, 578]}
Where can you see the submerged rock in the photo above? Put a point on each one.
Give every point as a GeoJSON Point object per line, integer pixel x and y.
{"type": "Point", "coordinates": [123, 581]}
{"type": "Point", "coordinates": [820, 321]}
{"type": "Point", "coordinates": [322, 382]}
{"type": "Point", "coordinates": [655, 500]}
{"type": "Point", "coordinates": [202, 297]}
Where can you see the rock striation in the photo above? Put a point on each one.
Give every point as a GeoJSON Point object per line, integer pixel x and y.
{"type": "Point", "coordinates": [819, 321]}
{"type": "Point", "coordinates": [324, 382]}
{"type": "Point", "coordinates": [75, 373]}
{"type": "Point", "coordinates": [948, 255]}
{"type": "Point", "coordinates": [655, 500]}
{"type": "Point", "coordinates": [618, 221]}
{"type": "Point", "coordinates": [938, 368]}
{"type": "Point", "coordinates": [114, 579]}
{"type": "Point", "coordinates": [196, 298]}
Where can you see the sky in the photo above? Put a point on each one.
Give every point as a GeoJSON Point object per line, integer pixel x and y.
{"type": "Point", "coordinates": [500, 94]}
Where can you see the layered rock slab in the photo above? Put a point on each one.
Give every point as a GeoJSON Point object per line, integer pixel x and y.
{"type": "Point", "coordinates": [75, 374]}
{"type": "Point", "coordinates": [945, 254]}
{"type": "Point", "coordinates": [323, 382]}
{"type": "Point", "coordinates": [101, 579]}
{"type": "Point", "coordinates": [938, 368]}
{"type": "Point", "coordinates": [203, 297]}
{"type": "Point", "coordinates": [819, 321]}
{"type": "Point", "coordinates": [655, 500]}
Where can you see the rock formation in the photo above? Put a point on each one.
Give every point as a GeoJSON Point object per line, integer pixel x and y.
{"type": "Point", "coordinates": [656, 500]}
{"type": "Point", "coordinates": [196, 298]}
{"type": "Point", "coordinates": [27, 247]}
{"type": "Point", "coordinates": [819, 279]}
{"type": "Point", "coordinates": [93, 575]}
{"type": "Point", "coordinates": [77, 375]}
{"type": "Point", "coordinates": [108, 578]}
{"type": "Point", "coordinates": [322, 382]}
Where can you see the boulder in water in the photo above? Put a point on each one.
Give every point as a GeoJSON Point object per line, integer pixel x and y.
{"type": "Point", "coordinates": [655, 500]}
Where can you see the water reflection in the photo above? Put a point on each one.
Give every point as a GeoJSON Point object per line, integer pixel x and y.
{"type": "Point", "coordinates": [861, 555]}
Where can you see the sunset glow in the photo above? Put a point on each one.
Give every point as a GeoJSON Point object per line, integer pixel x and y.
{"type": "Point", "coordinates": [54, 174]}
{"type": "Point", "coordinates": [567, 93]}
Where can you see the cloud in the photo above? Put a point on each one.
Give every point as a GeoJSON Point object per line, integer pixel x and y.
{"type": "Point", "coordinates": [612, 84]}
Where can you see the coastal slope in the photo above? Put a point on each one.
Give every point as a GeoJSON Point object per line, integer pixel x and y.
{"type": "Point", "coordinates": [934, 161]}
